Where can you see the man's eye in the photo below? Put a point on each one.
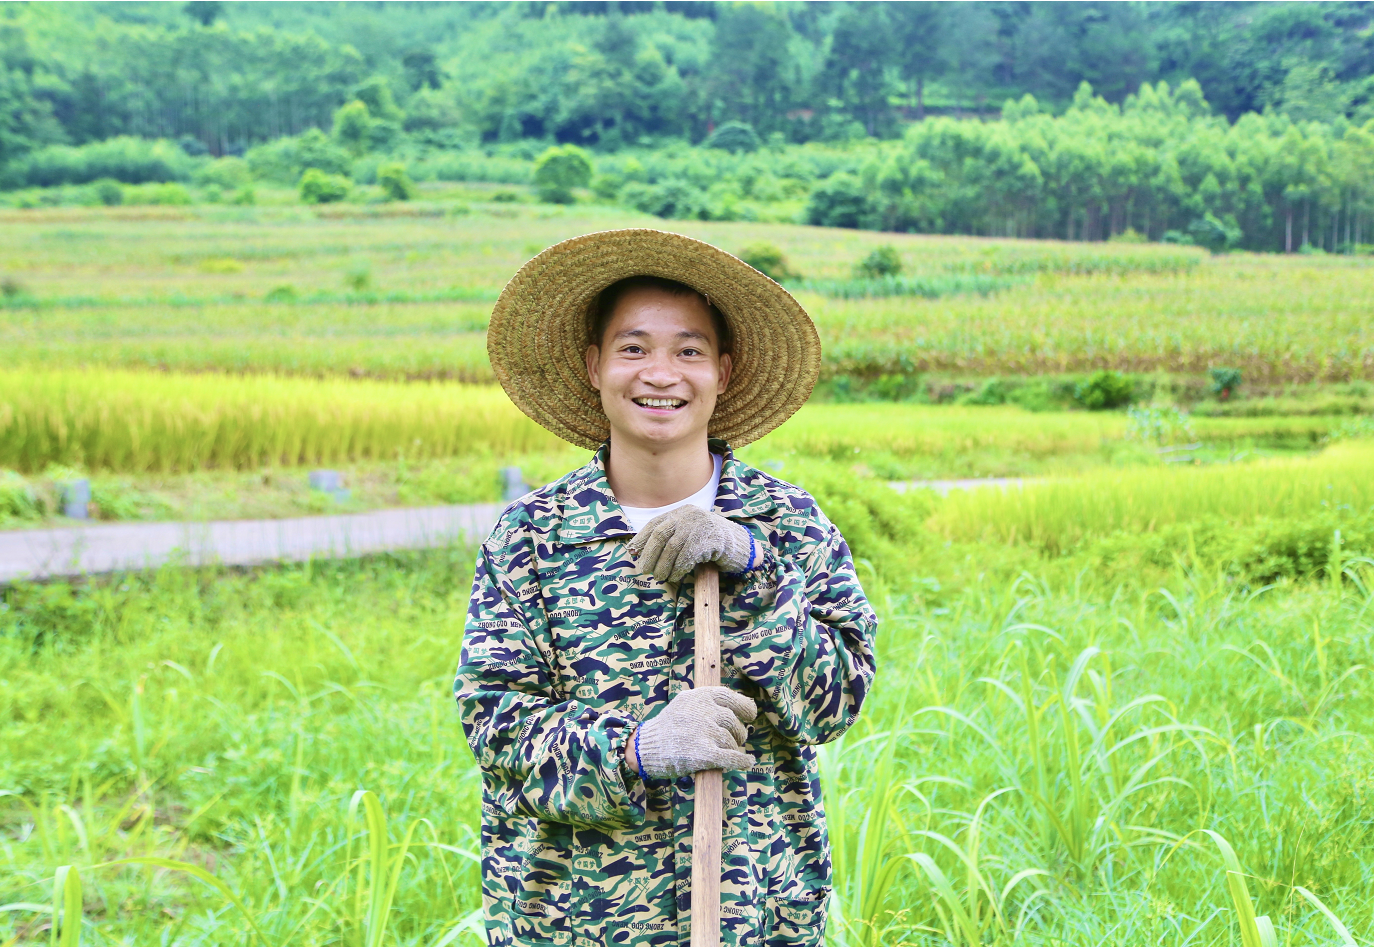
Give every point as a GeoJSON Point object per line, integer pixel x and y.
{"type": "Point", "coordinates": [632, 348]}
{"type": "Point", "coordinates": [690, 351]}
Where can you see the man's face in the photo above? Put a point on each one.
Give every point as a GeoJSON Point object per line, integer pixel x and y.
{"type": "Point", "coordinates": [658, 368]}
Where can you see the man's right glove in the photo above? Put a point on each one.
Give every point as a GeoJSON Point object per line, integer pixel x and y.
{"type": "Point", "coordinates": [699, 729]}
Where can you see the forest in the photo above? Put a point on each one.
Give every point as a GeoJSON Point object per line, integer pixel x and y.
{"type": "Point", "coordinates": [1224, 125]}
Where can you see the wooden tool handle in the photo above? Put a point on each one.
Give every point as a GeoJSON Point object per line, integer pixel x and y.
{"type": "Point", "coordinates": [710, 789]}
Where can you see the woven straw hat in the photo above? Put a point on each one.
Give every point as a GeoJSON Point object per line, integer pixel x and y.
{"type": "Point", "coordinates": [539, 332]}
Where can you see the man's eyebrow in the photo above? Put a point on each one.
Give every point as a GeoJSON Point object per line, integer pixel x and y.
{"type": "Point", "coordinates": [681, 335]}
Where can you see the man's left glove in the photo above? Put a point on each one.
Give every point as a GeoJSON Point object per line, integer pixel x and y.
{"type": "Point", "coordinates": [677, 541]}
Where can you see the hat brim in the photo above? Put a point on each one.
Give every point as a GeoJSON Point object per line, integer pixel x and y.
{"type": "Point", "coordinates": [537, 339]}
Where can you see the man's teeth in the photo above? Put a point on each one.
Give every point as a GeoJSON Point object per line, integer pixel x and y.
{"type": "Point", "coordinates": [660, 403]}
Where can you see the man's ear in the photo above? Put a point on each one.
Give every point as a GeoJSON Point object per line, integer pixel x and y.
{"type": "Point", "coordinates": [726, 365]}
{"type": "Point", "coordinates": [593, 357]}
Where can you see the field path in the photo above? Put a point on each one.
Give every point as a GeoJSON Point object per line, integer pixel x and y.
{"type": "Point", "coordinates": [40, 553]}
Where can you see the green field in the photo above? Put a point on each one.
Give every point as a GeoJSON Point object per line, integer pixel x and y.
{"type": "Point", "coordinates": [1099, 692]}
{"type": "Point", "coordinates": [407, 295]}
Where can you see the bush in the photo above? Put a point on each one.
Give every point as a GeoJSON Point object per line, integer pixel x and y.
{"type": "Point", "coordinates": [286, 159]}
{"type": "Point", "coordinates": [319, 187]}
{"type": "Point", "coordinates": [673, 198]}
{"type": "Point", "coordinates": [734, 137]}
{"type": "Point", "coordinates": [171, 193]}
{"type": "Point", "coordinates": [1105, 389]}
{"type": "Point", "coordinates": [769, 259]}
{"type": "Point", "coordinates": [394, 181]}
{"type": "Point", "coordinates": [353, 126]}
{"type": "Point", "coordinates": [1225, 381]}
{"type": "Point", "coordinates": [17, 498]}
{"type": "Point", "coordinates": [839, 202]}
{"type": "Point", "coordinates": [1211, 232]}
{"type": "Point", "coordinates": [124, 158]}
{"type": "Point", "coordinates": [883, 261]}
{"type": "Point", "coordinates": [559, 170]}
{"type": "Point", "coordinates": [226, 173]}
{"type": "Point", "coordinates": [108, 192]}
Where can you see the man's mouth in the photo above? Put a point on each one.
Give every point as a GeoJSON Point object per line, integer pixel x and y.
{"type": "Point", "coordinates": [658, 402]}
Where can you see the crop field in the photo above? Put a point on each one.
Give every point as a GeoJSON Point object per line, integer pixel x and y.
{"type": "Point", "coordinates": [282, 290]}
{"type": "Point", "coordinates": [1128, 702]}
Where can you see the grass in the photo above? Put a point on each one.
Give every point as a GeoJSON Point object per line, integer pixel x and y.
{"type": "Point", "coordinates": [1059, 514]}
{"type": "Point", "coordinates": [1044, 756]}
{"type": "Point", "coordinates": [188, 291]}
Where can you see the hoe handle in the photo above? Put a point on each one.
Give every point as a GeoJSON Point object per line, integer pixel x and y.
{"type": "Point", "coordinates": [710, 791]}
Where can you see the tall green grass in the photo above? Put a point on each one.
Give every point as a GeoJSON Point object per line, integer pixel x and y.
{"type": "Point", "coordinates": [1034, 767]}
{"type": "Point", "coordinates": [138, 422]}
{"type": "Point", "coordinates": [1057, 515]}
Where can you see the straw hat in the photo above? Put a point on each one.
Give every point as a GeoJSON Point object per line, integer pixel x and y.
{"type": "Point", "coordinates": [540, 327]}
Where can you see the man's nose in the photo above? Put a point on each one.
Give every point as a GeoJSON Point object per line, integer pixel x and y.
{"type": "Point", "coordinates": [660, 371]}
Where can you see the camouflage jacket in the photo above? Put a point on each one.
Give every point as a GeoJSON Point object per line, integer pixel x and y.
{"type": "Point", "coordinates": [568, 647]}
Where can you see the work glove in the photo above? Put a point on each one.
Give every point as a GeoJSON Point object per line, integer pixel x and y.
{"type": "Point", "coordinates": [677, 541]}
{"type": "Point", "coordinates": [699, 729]}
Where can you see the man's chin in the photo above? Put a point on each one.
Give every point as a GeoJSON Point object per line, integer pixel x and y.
{"type": "Point", "coordinates": [659, 435]}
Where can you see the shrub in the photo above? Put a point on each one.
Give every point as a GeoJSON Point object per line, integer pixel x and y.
{"type": "Point", "coordinates": [353, 126]}
{"type": "Point", "coordinates": [227, 173]}
{"type": "Point", "coordinates": [674, 198]}
{"type": "Point", "coordinates": [123, 158]}
{"type": "Point", "coordinates": [1211, 232]}
{"type": "Point", "coordinates": [1225, 381]}
{"type": "Point", "coordinates": [285, 159]}
{"type": "Point", "coordinates": [320, 187]}
{"type": "Point", "coordinates": [394, 181]}
{"type": "Point", "coordinates": [108, 192]}
{"type": "Point", "coordinates": [17, 499]}
{"type": "Point", "coordinates": [559, 170]}
{"type": "Point", "coordinates": [882, 261]}
{"type": "Point", "coordinates": [170, 193]}
{"type": "Point", "coordinates": [839, 202]}
{"type": "Point", "coordinates": [734, 137]}
{"type": "Point", "coordinates": [769, 259]}
{"type": "Point", "coordinates": [1105, 389]}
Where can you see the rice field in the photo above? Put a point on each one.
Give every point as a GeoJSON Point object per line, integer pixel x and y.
{"type": "Point", "coordinates": [105, 420]}
{"type": "Point", "coordinates": [286, 290]}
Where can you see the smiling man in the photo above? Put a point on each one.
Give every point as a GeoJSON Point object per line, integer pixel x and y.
{"type": "Point", "coordinates": [575, 689]}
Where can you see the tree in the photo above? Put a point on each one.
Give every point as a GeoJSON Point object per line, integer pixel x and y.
{"type": "Point", "coordinates": [918, 28]}
{"type": "Point", "coordinates": [753, 78]}
{"type": "Point", "coordinates": [204, 12]}
{"type": "Point", "coordinates": [353, 126]}
{"type": "Point", "coordinates": [863, 50]}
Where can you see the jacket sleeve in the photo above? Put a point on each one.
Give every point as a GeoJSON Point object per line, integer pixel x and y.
{"type": "Point", "coordinates": [541, 755]}
{"type": "Point", "coordinates": [802, 634]}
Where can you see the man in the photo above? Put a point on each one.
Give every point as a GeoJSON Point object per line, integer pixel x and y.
{"type": "Point", "coordinates": [575, 680]}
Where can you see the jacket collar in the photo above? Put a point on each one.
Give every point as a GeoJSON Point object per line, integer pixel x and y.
{"type": "Point", "coordinates": [591, 513]}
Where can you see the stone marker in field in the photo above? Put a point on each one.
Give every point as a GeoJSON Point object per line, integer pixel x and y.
{"type": "Point", "coordinates": [76, 498]}
{"type": "Point", "coordinates": [513, 483]}
{"type": "Point", "coordinates": [330, 482]}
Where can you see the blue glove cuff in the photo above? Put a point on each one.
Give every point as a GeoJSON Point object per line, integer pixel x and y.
{"type": "Point", "coordinates": [639, 763]}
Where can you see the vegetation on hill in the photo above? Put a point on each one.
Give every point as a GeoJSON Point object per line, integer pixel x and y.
{"type": "Point", "coordinates": [1237, 126]}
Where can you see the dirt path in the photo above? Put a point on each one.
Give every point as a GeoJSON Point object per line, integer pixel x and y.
{"type": "Point", "coordinates": [40, 553]}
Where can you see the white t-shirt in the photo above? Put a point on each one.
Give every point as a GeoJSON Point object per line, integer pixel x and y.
{"type": "Point", "coordinates": [704, 499]}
